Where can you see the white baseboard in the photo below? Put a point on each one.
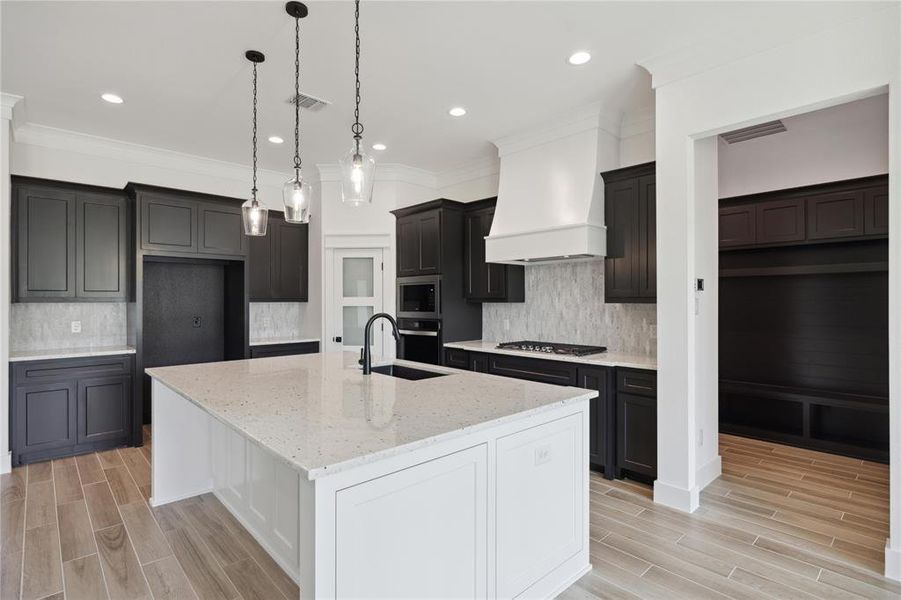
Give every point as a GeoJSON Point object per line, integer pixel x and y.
{"type": "Point", "coordinates": [676, 497]}
{"type": "Point", "coordinates": [6, 462]}
{"type": "Point", "coordinates": [892, 561]}
{"type": "Point", "coordinates": [199, 492]}
{"type": "Point", "coordinates": [709, 472]}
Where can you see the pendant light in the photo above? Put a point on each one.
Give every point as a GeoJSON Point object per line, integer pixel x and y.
{"type": "Point", "coordinates": [297, 191]}
{"type": "Point", "coordinates": [357, 167]}
{"type": "Point", "coordinates": [254, 214]}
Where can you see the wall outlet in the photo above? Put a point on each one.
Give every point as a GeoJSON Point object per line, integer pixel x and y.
{"type": "Point", "coordinates": [76, 326]}
{"type": "Point", "coordinates": [195, 322]}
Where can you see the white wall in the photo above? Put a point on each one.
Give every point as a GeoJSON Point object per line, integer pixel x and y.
{"type": "Point", "coordinates": [855, 60]}
{"type": "Point", "coordinates": [841, 142]}
{"type": "Point", "coordinates": [7, 104]}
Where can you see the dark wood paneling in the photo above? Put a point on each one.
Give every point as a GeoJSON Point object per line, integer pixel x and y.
{"type": "Point", "coordinates": [269, 350]}
{"type": "Point", "coordinates": [45, 239]}
{"type": "Point", "coordinates": [817, 332]}
{"type": "Point", "coordinates": [835, 215]}
{"type": "Point", "coordinates": [602, 417]}
{"type": "Point", "coordinates": [780, 221]}
{"type": "Point", "coordinates": [101, 253]}
{"type": "Point", "coordinates": [221, 230]}
{"type": "Point", "coordinates": [103, 409]}
{"type": "Point", "coordinates": [168, 223]}
{"type": "Point", "coordinates": [876, 211]}
{"type": "Point", "coordinates": [738, 225]}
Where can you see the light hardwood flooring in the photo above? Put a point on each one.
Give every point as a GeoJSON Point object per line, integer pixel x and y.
{"type": "Point", "coordinates": [780, 523]}
{"type": "Point", "coordinates": [81, 528]}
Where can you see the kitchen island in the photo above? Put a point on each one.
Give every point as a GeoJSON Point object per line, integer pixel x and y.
{"type": "Point", "coordinates": [461, 485]}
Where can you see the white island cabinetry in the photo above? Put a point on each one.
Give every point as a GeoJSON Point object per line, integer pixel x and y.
{"type": "Point", "coordinates": [478, 507]}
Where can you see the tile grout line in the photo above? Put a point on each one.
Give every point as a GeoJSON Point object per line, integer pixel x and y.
{"type": "Point", "coordinates": [24, 531]}
{"type": "Point", "coordinates": [94, 531]}
{"type": "Point", "coordinates": [59, 538]}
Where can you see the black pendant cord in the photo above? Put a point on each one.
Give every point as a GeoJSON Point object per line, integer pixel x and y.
{"type": "Point", "coordinates": [297, 161]}
{"type": "Point", "coordinates": [357, 126]}
{"type": "Point", "coordinates": [254, 188]}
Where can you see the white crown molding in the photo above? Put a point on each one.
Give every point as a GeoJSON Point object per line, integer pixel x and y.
{"type": "Point", "coordinates": [7, 103]}
{"type": "Point", "coordinates": [583, 119]}
{"type": "Point", "coordinates": [478, 169]}
{"type": "Point", "coordinates": [393, 172]}
{"type": "Point", "coordinates": [72, 141]}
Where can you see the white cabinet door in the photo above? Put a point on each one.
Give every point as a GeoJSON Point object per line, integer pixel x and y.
{"type": "Point", "coordinates": [540, 480]}
{"type": "Point", "coordinates": [383, 526]}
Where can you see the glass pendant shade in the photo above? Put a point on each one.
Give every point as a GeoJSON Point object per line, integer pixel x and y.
{"type": "Point", "coordinates": [357, 177]}
{"type": "Point", "coordinates": [297, 194]}
{"type": "Point", "coordinates": [255, 217]}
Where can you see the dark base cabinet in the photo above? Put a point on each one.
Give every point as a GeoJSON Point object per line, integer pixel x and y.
{"type": "Point", "coordinates": [72, 406]}
{"type": "Point", "coordinates": [623, 417]}
{"type": "Point", "coordinates": [268, 350]}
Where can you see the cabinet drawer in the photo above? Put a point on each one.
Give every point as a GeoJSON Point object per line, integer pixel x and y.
{"type": "Point", "coordinates": [284, 349]}
{"type": "Point", "coordinates": [458, 359]}
{"type": "Point", "coordinates": [636, 381]}
{"type": "Point", "coordinates": [545, 371]}
{"type": "Point", "coordinates": [71, 368]}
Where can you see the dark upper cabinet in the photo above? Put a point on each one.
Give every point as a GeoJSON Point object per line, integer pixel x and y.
{"type": "Point", "coordinates": [419, 243]}
{"type": "Point", "coordinates": [172, 222]}
{"type": "Point", "coordinates": [168, 223]}
{"type": "Point", "coordinates": [602, 445]}
{"type": "Point", "coordinates": [738, 225]}
{"type": "Point", "coordinates": [483, 281]}
{"type": "Point", "coordinates": [279, 262]}
{"type": "Point", "coordinates": [780, 221]}
{"type": "Point", "coordinates": [221, 230]}
{"type": "Point", "coordinates": [850, 210]}
{"type": "Point", "coordinates": [71, 242]}
{"type": "Point", "coordinates": [630, 213]}
{"type": "Point", "coordinates": [875, 203]}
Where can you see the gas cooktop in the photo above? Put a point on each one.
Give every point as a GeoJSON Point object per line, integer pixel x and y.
{"type": "Point", "coordinates": [552, 348]}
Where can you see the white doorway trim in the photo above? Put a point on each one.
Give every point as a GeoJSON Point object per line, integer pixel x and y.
{"type": "Point", "coordinates": [333, 242]}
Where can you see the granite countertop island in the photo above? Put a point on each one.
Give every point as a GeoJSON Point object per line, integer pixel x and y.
{"type": "Point", "coordinates": [377, 486]}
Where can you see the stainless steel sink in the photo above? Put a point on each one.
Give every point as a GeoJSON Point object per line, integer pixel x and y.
{"type": "Point", "coordinates": [403, 372]}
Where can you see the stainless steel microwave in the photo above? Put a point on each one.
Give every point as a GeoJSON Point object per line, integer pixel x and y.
{"type": "Point", "coordinates": [419, 297]}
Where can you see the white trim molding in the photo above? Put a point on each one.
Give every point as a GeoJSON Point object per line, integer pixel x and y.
{"type": "Point", "coordinates": [8, 103]}
{"type": "Point", "coordinates": [587, 118]}
{"type": "Point", "coordinates": [478, 169]}
{"type": "Point", "coordinates": [357, 240]}
{"type": "Point", "coordinates": [677, 497]}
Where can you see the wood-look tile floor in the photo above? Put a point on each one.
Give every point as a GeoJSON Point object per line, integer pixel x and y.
{"type": "Point", "coordinates": [781, 522]}
{"type": "Point", "coordinates": [81, 528]}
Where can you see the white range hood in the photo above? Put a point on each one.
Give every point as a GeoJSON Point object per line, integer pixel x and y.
{"type": "Point", "coordinates": [550, 204]}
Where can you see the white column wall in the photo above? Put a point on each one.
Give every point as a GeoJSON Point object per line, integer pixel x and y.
{"type": "Point", "coordinates": [6, 110]}
{"type": "Point", "coordinates": [851, 61]}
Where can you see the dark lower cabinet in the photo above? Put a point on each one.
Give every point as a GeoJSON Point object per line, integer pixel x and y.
{"type": "Point", "coordinates": [533, 369]}
{"type": "Point", "coordinates": [637, 434]}
{"type": "Point", "coordinates": [268, 350]}
{"type": "Point", "coordinates": [65, 407]}
{"type": "Point", "coordinates": [456, 358]}
{"type": "Point", "coordinates": [602, 441]}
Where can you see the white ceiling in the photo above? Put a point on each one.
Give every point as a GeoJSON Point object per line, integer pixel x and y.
{"type": "Point", "coordinates": [180, 68]}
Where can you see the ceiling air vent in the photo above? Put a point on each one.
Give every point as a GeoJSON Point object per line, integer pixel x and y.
{"type": "Point", "coordinates": [309, 102]}
{"type": "Point", "coordinates": [755, 131]}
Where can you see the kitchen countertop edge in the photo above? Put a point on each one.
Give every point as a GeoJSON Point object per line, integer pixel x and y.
{"type": "Point", "coordinates": [29, 355]}
{"type": "Point", "coordinates": [606, 359]}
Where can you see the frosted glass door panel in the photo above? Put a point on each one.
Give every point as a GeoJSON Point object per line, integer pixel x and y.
{"type": "Point", "coordinates": [355, 318]}
{"type": "Point", "coordinates": [358, 277]}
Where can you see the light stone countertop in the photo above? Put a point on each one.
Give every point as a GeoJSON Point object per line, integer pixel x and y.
{"type": "Point", "coordinates": [604, 359]}
{"type": "Point", "coordinates": [273, 341]}
{"type": "Point", "coordinates": [23, 355]}
{"type": "Point", "coordinates": [321, 414]}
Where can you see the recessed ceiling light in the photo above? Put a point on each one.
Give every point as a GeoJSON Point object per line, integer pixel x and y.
{"type": "Point", "coordinates": [379, 146]}
{"type": "Point", "coordinates": [457, 111]}
{"type": "Point", "coordinates": [275, 139]}
{"type": "Point", "coordinates": [579, 58]}
{"type": "Point", "coordinates": [112, 98]}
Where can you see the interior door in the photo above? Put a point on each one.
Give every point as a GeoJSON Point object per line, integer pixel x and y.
{"type": "Point", "coordinates": [357, 294]}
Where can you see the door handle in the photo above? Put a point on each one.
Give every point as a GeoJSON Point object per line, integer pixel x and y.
{"type": "Point", "coordinates": [337, 339]}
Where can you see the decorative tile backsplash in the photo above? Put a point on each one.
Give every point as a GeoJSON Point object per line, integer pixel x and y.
{"type": "Point", "coordinates": [276, 320]}
{"type": "Point", "coordinates": [48, 325]}
{"type": "Point", "coordinates": [565, 303]}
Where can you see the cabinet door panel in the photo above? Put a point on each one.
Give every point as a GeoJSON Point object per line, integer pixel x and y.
{"type": "Point", "coordinates": [738, 226]}
{"type": "Point", "coordinates": [621, 207]}
{"type": "Point", "coordinates": [45, 243]}
{"type": "Point", "coordinates": [637, 433]}
{"type": "Point", "coordinates": [101, 253]}
{"type": "Point", "coordinates": [876, 211]}
{"type": "Point", "coordinates": [458, 359]}
{"type": "Point", "coordinates": [647, 236]}
{"type": "Point", "coordinates": [835, 215]}
{"type": "Point", "coordinates": [103, 408]}
{"type": "Point", "coordinates": [407, 246]}
{"type": "Point", "coordinates": [221, 230]}
{"type": "Point", "coordinates": [291, 249]}
{"type": "Point", "coordinates": [260, 264]}
{"type": "Point", "coordinates": [601, 441]}
{"type": "Point", "coordinates": [780, 221]}
{"type": "Point", "coordinates": [430, 242]}
{"type": "Point", "coordinates": [168, 223]}
{"type": "Point", "coordinates": [476, 269]}
{"type": "Point", "coordinates": [533, 369]}
{"type": "Point", "coordinates": [479, 363]}
{"type": "Point", "coordinates": [45, 416]}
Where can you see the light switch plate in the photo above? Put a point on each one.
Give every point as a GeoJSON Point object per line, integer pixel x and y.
{"type": "Point", "coordinates": [76, 326]}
